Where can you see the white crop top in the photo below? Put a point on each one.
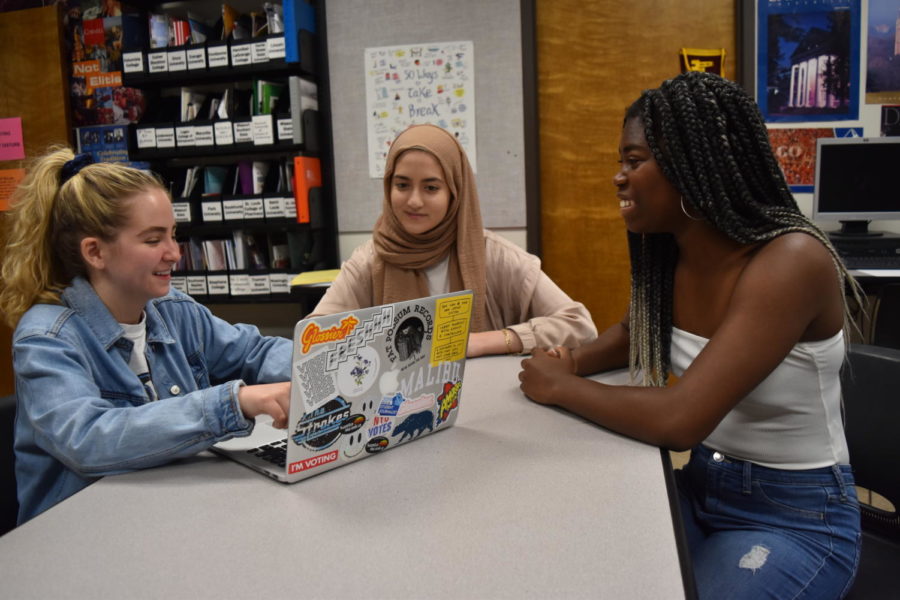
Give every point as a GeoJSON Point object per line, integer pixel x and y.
{"type": "Point", "coordinates": [792, 419]}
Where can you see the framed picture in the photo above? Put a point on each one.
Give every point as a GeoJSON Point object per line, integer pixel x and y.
{"type": "Point", "coordinates": [805, 58]}
{"type": "Point", "coordinates": [882, 47]}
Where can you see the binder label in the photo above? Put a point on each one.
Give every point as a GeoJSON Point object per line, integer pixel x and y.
{"type": "Point", "coordinates": [290, 208]}
{"type": "Point", "coordinates": [224, 133]}
{"type": "Point", "coordinates": [240, 285]}
{"type": "Point", "coordinates": [179, 283]}
{"type": "Point", "coordinates": [133, 62]}
{"type": "Point", "coordinates": [233, 210]}
{"type": "Point", "coordinates": [211, 211]}
{"type": "Point", "coordinates": [253, 208]}
{"type": "Point", "coordinates": [259, 284]}
{"type": "Point", "coordinates": [259, 52]}
{"type": "Point", "coordinates": [196, 285]}
{"type": "Point", "coordinates": [184, 135]}
{"type": "Point", "coordinates": [203, 135]}
{"type": "Point", "coordinates": [218, 56]}
{"type": "Point", "coordinates": [280, 283]}
{"type": "Point", "coordinates": [274, 208]}
{"type": "Point", "coordinates": [146, 137]}
{"type": "Point", "coordinates": [158, 62]}
{"type": "Point", "coordinates": [196, 58]}
{"type": "Point", "coordinates": [243, 132]}
{"type": "Point", "coordinates": [177, 60]}
{"type": "Point", "coordinates": [263, 132]}
{"type": "Point", "coordinates": [241, 55]}
{"type": "Point", "coordinates": [285, 130]}
{"type": "Point", "coordinates": [218, 285]}
{"type": "Point", "coordinates": [182, 212]}
{"type": "Point", "coordinates": [275, 47]}
{"type": "Point", "coordinates": [165, 137]}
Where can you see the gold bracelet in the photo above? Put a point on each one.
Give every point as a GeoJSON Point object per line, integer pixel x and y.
{"type": "Point", "coordinates": [507, 337]}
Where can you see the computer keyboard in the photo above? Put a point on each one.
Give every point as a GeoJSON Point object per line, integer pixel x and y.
{"type": "Point", "coordinates": [274, 453]}
{"type": "Point", "coordinates": [872, 262]}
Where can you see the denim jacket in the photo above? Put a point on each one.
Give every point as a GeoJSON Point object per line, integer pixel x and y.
{"type": "Point", "coordinates": [82, 413]}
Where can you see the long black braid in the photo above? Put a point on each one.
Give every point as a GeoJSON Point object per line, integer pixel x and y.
{"type": "Point", "coordinates": [711, 142]}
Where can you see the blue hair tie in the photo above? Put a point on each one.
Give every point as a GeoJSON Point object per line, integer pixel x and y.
{"type": "Point", "coordinates": [72, 167]}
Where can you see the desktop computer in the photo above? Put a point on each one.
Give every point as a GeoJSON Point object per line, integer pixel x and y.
{"type": "Point", "coordinates": [856, 184]}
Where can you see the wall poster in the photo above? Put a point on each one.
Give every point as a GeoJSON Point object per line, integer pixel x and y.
{"type": "Point", "coordinates": [883, 53]}
{"type": "Point", "coordinates": [795, 150]}
{"type": "Point", "coordinates": [808, 60]}
{"type": "Point", "coordinates": [419, 83]}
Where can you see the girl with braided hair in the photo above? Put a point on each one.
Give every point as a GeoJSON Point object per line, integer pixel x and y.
{"type": "Point", "coordinates": [741, 297]}
{"type": "Point", "coordinates": [114, 370]}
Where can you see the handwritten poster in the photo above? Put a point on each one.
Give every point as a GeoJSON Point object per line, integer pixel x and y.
{"type": "Point", "coordinates": [9, 180]}
{"type": "Point", "coordinates": [11, 146]}
{"type": "Point", "coordinates": [415, 84]}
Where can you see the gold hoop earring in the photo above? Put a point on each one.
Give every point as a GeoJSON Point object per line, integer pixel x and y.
{"type": "Point", "coordinates": [687, 214]}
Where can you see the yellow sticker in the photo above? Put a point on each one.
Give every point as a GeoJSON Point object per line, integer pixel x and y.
{"type": "Point", "coordinates": [451, 329]}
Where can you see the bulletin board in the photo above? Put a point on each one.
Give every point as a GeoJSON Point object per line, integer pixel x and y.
{"type": "Point", "coordinates": [501, 32]}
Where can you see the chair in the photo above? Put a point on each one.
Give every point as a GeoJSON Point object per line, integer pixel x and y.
{"type": "Point", "coordinates": [886, 327]}
{"type": "Point", "coordinates": [871, 389]}
{"type": "Point", "coordinates": [9, 505]}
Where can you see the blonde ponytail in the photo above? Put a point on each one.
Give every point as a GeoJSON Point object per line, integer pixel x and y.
{"type": "Point", "coordinates": [48, 220]}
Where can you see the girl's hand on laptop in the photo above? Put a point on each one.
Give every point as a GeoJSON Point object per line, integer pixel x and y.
{"type": "Point", "coordinates": [272, 399]}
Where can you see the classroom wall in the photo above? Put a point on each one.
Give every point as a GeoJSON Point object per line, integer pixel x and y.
{"type": "Point", "coordinates": [33, 87]}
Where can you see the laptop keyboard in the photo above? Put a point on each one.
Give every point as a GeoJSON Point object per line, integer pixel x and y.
{"type": "Point", "coordinates": [275, 453]}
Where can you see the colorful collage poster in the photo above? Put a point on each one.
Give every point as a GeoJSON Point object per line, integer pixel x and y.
{"type": "Point", "coordinates": [796, 153]}
{"type": "Point", "coordinates": [96, 36]}
{"type": "Point", "coordinates": [417, 84]}
{"type": "Point", "coordinates": [883, 53]}
{"type": "Point", "coordinates": [808, 60]}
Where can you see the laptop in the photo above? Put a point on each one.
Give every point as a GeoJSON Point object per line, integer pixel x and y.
{"type": "Point", "coordinates": [363, 382]}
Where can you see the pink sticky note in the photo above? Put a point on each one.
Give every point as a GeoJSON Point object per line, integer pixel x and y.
{"type": "Point", "coordinates": [11, 146]}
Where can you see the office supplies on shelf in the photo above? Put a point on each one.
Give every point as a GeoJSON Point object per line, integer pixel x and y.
{"type": "Point", "coordinates": [307, 176]}
{"type": "Point", "coordinates": [325, 276]}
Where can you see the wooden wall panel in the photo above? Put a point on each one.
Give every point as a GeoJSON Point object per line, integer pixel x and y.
{"type": "Point", "coordinates": [594, 58]}
{"type": "Point", "coordinates": [32, 86]}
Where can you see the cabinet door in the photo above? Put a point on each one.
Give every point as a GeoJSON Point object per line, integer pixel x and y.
{"type": "Point", "coordinates": [32, 87]}
{"type": "Point", "coordinates": [589, 70]}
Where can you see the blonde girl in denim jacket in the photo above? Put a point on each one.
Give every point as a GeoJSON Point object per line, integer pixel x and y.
{"type": "Point", "coordinates": [116, 371]}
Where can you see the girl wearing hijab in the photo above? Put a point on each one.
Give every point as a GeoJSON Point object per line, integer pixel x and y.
{"type": "Point", "coordinates": [430, 240]}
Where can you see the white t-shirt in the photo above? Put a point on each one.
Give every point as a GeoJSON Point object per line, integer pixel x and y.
{"type": "Point", "coordinates": [137, 333]}
{"type": "Point", "coordinates": [439, 277]}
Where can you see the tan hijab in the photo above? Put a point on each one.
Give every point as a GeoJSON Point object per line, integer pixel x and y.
{"type": "Point", "coordinates": [401, 256]}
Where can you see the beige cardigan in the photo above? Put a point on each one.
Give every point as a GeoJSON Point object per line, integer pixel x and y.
{"type": "Point", "coordinates": [519, 296]}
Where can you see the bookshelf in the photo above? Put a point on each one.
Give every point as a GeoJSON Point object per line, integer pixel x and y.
{"type": "Point", "coordinates": [235, 129]}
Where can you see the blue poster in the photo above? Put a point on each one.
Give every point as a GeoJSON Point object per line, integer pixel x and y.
{"type": "Point", "coordinates": [808, 60]}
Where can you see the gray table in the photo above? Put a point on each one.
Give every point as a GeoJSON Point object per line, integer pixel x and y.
{"type": "Point", "coordinates": [515, 501]}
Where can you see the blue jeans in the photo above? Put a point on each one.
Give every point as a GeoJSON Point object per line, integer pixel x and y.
{"type": "Point", "coordinates": [756, 532]}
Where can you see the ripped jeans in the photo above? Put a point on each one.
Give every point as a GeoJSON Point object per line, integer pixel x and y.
{"type": "Point", "coordinates": [756, 532]}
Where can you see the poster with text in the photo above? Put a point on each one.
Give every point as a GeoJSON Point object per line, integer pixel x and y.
{"type": "Point", "coordinates": [796, 153]}
{"type": "Point", "coordinates": [883, 52]}
{"type": "Point", "coordinates": [808, 60]}
{"type": "Point", "coordinates": [415, 84]}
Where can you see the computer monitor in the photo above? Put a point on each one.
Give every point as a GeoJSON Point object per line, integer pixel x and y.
{"type": "Point", "coordinates": [856, 182]}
